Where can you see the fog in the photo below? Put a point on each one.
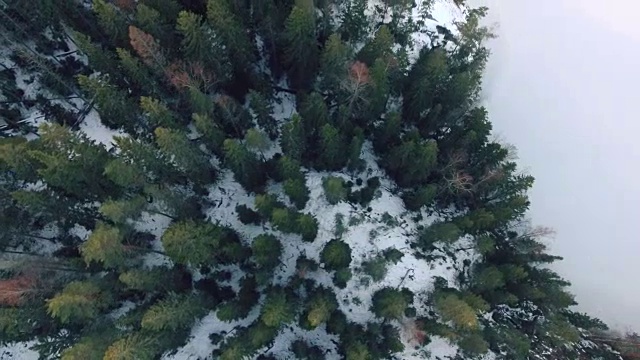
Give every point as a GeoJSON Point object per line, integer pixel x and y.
{"type": "Point", "coordinates": [562, 85]}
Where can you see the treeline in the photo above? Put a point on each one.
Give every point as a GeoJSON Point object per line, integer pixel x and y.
{"type": "Point", "coordinates": [190, 81]}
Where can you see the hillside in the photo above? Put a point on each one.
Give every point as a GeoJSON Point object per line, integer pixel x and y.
{"type": "Point", "coordinates": [281, 179]}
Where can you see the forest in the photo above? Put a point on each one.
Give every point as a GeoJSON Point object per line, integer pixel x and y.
{"type": "Point", "coordinates": [273, 179]}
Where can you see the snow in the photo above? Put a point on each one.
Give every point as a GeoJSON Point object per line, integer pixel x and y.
{"type": "Point", "coordinates": [199, 345]}
{"type": "Point", "coordinates": [19, 351]}
{"type": "Point", "coordinates": [96, 131]}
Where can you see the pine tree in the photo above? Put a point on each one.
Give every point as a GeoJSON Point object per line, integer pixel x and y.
{"type": "Point", "coordinates": [247, 169]}
{"type": "Point", "coordinates": [284, 220]}
{"type": "Point", "coordinates": [115, 108]}
{"type": "Point", "coordinates": [354, 22]}
{"type": "Point", "coordinates": [211, 132]}
{"type": "Point", "coordinates": [173, 313]}
{"type": "Point", "coordinates": [232, 31]}
{"type": "Point", "coordinates": [91, 347]}
{"type": "Point", "coordinates": [201, 44]}
{"type": "Point", "coordinates": [389, 303]}
{"type": "Point", "coordinates": [120, 211]}
{"type": "Point", "coordinates": [335, 189]}
{"type": "Point", "coordinates": [148, 280]}
{"type": "Point", "coordinates": [452, 308]}
{"type": "Point", "coordinates": [357, 351]}
{"type": "Point", "coordinates": [334, 61]}
{"type": "Point", "coordinates": [412, 162]}
{"type": "Point", "coordinates": [266, 250]}
{"type": "Point", "coordinates": [279, 308]}
{"type": "Point", "coordinates": [78, 302]}
{"type": "Point", "coordinates": [158, 114]}
{"type": "Point", "coordinates": [297, 191]}
{"type": "Point", "coordinates": [314, 115]}
{"type": "Point", "coordinates": [111, 20]}
{"type": "Point", "coordinates": [355, 163]}
{"type": "Point", "coordinates": [307, 226]}
{"type": "Point", "coordinates": [293, 139]}
{"type": "Point", "coordinates": [104, 245]}
{"type": "Point", "coordinates": [318, 308]}
{"type": "Point", "coordinates": [332, 149]}
{"type": "Point", "coordinates": [256, 140]}
{"type": "Point", "coordinates": [266, 204]}
{"type": "Point", "coordinates": [301, 50]}
{"type": "Point", "coordinates": [427, 78]}
{"type": "Point", "coordinates": [100, 59]}
{"type": "Point", "coordinates": [289, 168]}
{"type": "Point", "coordinates": [188, 242]}
{"type": "Point", "coordinates": [147, 48]}
{"type": "Point", "coordinates": [336, 255]}
{"type": "Point", "coordinates": [380, 47]}
{"type": "Point", "coordinates": [136, 346]}
{"type": "Point", "coordinates": [263, 111]}
{"type": "Point", "coordinates": [71, 162]}
{"type": "Point", "coordinates": [186, 155]}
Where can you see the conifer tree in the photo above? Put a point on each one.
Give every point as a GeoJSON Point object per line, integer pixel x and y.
{"type": "Point", "coordinates": [173, 313]}
{"type": "Point", "coordinates": [211, 131]}
{"type": "Point", "coordinates": [138, 346]}
{"type": "Point", "coordinates": [188, 242]}
{"type": "Point", "coordinates": [315, 115]}
{"type": "Point", "coordinates": [71, 162]}
{"type": "Point", "coordinates": [111, 20]}
{"type": "Point", "coordinates": [354, 162]}
{"type": "Point", "coordinates": [301, 50]}
{"type": "Point", "coordinates": [380, 47]}
{"type": "Point", "coordinates": [157, 113]}
{"type": "Point", "coordinates": [389, 303]}
{"type": "Point", "coordinates": [332, 148]}
{"type": "Point", "coordinates": [201, 44]}
{"type": "Point", "coordinates": [293, 139]}
{"type": "Point", "coordinates": [307, 226]}
{"type": "Point", "coordinates": [412, 162]}
{"type": "Point", "coordinates": [100, 59]}
{"type": "Point", "coordinates": [263, 111]}
{"type": "Point", "coordinates": [232, 31]}
{"type": "Point", "coordinates": [318, 308]}
{"type": "Point", "coordinates": [279, 308]}
{"type": "Point", "coordinates": [334, 189]}
{"type": "Point", "coordinates": [104, 245]}
{"type": "Point", "coordinates": [336, 255]}
{"type": "Point", "coordinates": [148, 280]}
{"type": "Point", "coordinates": [296, 189]}
{"type": "Point", "coordinates": [256, 140]}
{"type": "Point", "coordinates": [354, 22]}
{"type": "Point", "coordinates": [452, 308]}
{"type": "Point", "coordinates": [185, 155]}
{"type": "Point", "coordinates": [90, 347]}
{"type": "Point", "coordinates": [137, 72]}
{"type": "Point", "coordinates": [266, 251]}
{"type": "Point", "coordinates": [115, 108]}
{"type": "Point", "coordinates": [247, 169]}
{"type": "Point", "coordinates": [78, 302]}
{"type": "Point", "coordinates": [334, 61]}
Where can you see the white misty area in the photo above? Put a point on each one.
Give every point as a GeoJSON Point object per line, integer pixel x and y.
{"type": "Point", "coordinates": [385, 225]}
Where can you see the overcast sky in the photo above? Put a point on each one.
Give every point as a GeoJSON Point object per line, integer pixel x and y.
{"type": "Point", "coordinates": [563, 86]}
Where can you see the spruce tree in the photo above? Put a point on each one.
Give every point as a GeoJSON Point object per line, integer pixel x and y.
{"type": "Point", "coordinates": [332, 148]}
{"type": "Point", "coordinates": [293, 139]}
{"type": "Point", "coordinates": [104, 245]}
{"type": "Point", "coordinates": [78, 302]}
{"type": "Point", "coordinates": [301, 50]}
{"type": "Point", "coordinates": [189, 242]}
{"type": "Point", "coordinates": [336, 255]}
{"type": "Point", "coordinates": [173, 313]}
{"type": "Point", "coordinates": [247, 169]}
{"type": "Point", "coordinates": [232, 31]}
{"type": "Point", "coordinates": [278, 309]}
{"type": "Point", "coordinates": [390, 303]}
{"type": "Point", "coordinates": [186, 155]}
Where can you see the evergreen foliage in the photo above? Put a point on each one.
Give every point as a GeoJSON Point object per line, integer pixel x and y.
{"type": "Point", "coordinates": [113, 247]}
